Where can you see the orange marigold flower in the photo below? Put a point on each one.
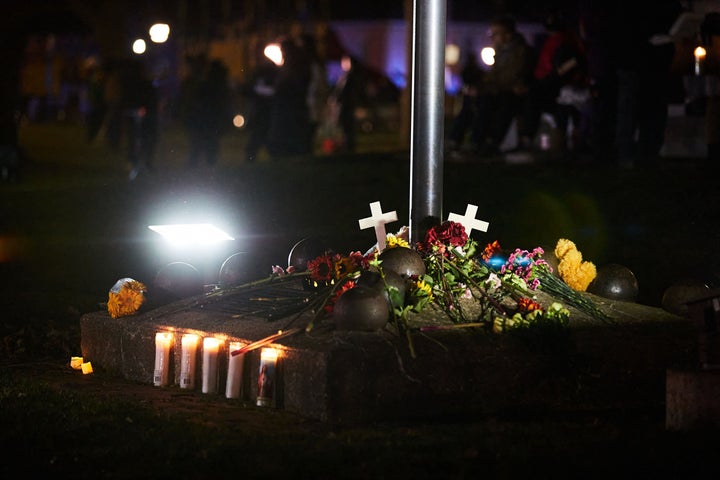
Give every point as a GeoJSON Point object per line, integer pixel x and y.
{"type": "Point", "coordinates": [490, 250]}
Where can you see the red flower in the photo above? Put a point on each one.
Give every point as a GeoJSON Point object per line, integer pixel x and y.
{"type": "Point", "coordinates": [447, 233]}
{"type": "Point", "coordinates": [321, 268]}
{"type": "Point", "coordinates": [527, 305]}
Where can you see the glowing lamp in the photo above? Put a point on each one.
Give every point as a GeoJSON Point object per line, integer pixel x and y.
{"type": "Point", "coordinates": [87, 368]}
{"type": "Point", "coordinates": [191, 233]}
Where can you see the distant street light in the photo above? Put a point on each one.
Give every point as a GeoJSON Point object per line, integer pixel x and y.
{"type": "Point", "coordinates": [487, 55]}
{"type": "Point", "coordinates": [159, 32]}
{"type": "Point", "coordinates": [139, 46]}
{"type": "Point", "coordinates": [274, 53]}
{"type": "Point", "coordinates": [452, 54]}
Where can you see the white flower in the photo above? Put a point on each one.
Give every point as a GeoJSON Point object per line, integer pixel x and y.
{"type": "Point", "coordinates": [493, 282]}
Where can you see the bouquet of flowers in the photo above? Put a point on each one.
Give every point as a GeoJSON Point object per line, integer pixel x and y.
{"type": "Point", "coordinates": [458, 273]}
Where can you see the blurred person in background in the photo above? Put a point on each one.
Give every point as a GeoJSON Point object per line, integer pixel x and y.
{"type": "Point", "coordinates": [471, 76]}
{"type": "Point", "coordinates": [504, 86]}
{"type": "Point", "coordinates": [346, 95]}
{"type": "Point", "coordinates": [290, 125]}
{"type": "Point", "coordinates": [97, 106]}
{"type": "Point", "coordinates": [318, 90]}
{"type": "Point", "coordinates": [259, 92]}
{"type": "Point", "coordinates": [710, 32]}
{"type": "Point", "coordinates": [205, 109]}
{"type": "Point", "coordinates": [644, 54]}
{"type": "Point", "coordinates": [139, 103]}
{"type": "Point", "coordinates": [561, 63]}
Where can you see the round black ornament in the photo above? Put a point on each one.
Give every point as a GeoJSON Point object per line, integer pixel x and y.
{"type": "Point", "coordinates": [615, 282]}
{"type": "Point", "coordinates": [305, 250]}
{"type": "Point", "coordinates": [177, 280]}
{"type": "Point", "coordinates": [361, 309]}
{"type": "Point", "coordinates": [406, 262]}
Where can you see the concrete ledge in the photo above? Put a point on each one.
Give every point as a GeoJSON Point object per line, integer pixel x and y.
{"type": "Point", "coordinates": [693, 399]}
{"type": "Point", "coordinates": [355, 377]}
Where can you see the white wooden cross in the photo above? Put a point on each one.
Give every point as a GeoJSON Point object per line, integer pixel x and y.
{"type": "Point", "coordinates": [378, 220]}
{"type": "Point", "coordinates": [469, 221]}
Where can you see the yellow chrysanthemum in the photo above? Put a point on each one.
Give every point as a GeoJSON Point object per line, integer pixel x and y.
{"type": "Point", "coordinates": [395, 241]}
{"type": "Point", "coordinates": [571, 267]}
{"type": "Point", "coordinates": [125, 297]}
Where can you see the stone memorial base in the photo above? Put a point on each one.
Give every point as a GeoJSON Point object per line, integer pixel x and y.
{"type": "Point", "coordinates": [357, 377]}
{"type": "Point", "coordinates": [693, 399]}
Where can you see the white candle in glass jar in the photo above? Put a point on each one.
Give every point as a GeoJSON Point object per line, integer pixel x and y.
{"type": "Point", "coordinates": [211, 346]}
{"type": "Point", "coordinates": [188, 361]}
{"type": "Point", "coordinates": [235, 368]}
{"type": "Point", "coordinates": [163, 342]}
{"type": "Point", "coordinates": [266, 376]}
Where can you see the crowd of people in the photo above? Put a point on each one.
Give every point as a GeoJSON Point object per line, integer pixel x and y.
{"type": "Point", "coordinates": [287, 105]}
{"type": "Point", "coordinates": [603, 82]}
{"type": "Point", "coordinates": [291, 103]}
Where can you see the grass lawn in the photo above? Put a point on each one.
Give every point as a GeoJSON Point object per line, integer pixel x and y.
{"type": "Point", "coordinates": [73, 225]}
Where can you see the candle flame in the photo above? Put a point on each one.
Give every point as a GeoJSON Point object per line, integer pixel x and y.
{"type": "Point", "coordinates": [270, 354]}
{"type": "Point", "coordinates": [163, 337]}
{"type": "Point", "coordinates": [700, 52]}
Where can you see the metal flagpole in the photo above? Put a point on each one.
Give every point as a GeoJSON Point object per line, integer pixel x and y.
{"type": "Point", "coordinates": [427, 116]}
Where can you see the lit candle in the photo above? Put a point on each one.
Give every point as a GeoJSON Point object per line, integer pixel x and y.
{"type": "Point", "coordinates": [163, 341]}
{"type": "Point", "coordinates": [235, 367]}
{"type": "Point", "coordinates": [76, 363]}
{"type": "Point", "coordinates": [188, 361]}
{"type": "Point", "coordinates": [211, 345]}
{"type": "Point", "coordinates": [86, 368]}
{"type": "Point", "coordinates": [699, 57]}
{"type": "Point", "coordinates": [266, 376]}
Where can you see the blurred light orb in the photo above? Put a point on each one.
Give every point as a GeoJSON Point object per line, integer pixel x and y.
{"type": "Point", "coordinates": [487, 55]}
{"type": "Point", "coordinates": [345, 63]}
{"type": "Point", "coordinates": [159, 32]}
{"type": "Point", "coordinates": [238, 121]}
{"type": "Point", "coordinates": [139, 46]}
{"type": "Point", "coordinates": [274, 53]}
{"type": "Point", "coordinates": [452, 54]}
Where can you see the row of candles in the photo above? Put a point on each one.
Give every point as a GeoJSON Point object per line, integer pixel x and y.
{"type": "Point", "coordinates": [210, 368]}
